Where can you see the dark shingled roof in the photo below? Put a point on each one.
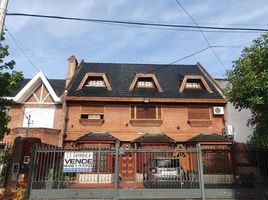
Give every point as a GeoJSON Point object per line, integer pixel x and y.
{"type": "Point", "coordinates": [120, 77]}
{"type": "Point", "coordinates": [208, 138]}
{"type": "Point", "coordinates": [58, 86]}
{"type": "Point", "coordinates": [97, 136]}
{"type": "Point", "coordinates": [150, 137]}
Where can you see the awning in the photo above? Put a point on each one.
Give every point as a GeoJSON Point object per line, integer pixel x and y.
{"type": "Point", "coordinates": [154, 138]}
{"type": "Point", "coordinates": [209, 138]}
{"type": "Point", "coordinates": [96, 136]}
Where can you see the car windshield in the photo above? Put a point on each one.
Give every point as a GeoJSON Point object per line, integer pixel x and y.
{"type": "Point", "coordinates": [166, 163]}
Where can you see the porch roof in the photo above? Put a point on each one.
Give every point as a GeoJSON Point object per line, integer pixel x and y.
{"type": "Point", "coordinates": [208, 137]}
{"type": "Point", "coordinates": [97, 136]}
{"type": "Point", "coordinates": [153, 137]}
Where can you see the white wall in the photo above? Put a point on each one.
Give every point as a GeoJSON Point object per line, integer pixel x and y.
{"type": "Point", "coordinates": [40, 117]}
{"type": "Point", "coordinates": [238, 119]}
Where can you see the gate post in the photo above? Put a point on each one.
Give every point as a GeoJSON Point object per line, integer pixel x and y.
{"type": "Point", "coordinates": [200, 171]}
{"type": "Point", "coordinates": [31, 170]}
{"type": "Point", "coordinates": [116, 169]}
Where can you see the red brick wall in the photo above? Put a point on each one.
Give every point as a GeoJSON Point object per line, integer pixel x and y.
{"type": "Point", "coordinates": [117, 122]}
{"type": "Point", "coordinates": [49, 136]}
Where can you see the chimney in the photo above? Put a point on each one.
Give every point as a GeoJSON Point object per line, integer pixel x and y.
{"type": "Point", "coordinates": [72, 66]}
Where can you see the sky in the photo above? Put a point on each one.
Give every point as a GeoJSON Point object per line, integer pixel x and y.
{"type": "Point", "coordinates": [46, 44]}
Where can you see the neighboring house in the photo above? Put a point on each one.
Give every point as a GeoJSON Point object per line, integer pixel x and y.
{"type": "Point", "coordinates": [237, 119]}
{"type": "Point", "coordinates": [37, 110]}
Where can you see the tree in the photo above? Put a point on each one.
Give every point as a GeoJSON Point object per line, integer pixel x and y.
{"type": "Point", "coordinates": [248, 87]}
{"type": "Point", "coordinates": [9, 81]}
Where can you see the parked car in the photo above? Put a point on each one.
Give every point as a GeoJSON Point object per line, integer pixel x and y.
{"type": "Point", "coordinates": [161, 172]}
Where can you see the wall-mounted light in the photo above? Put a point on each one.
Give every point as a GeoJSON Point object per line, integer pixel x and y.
{"type": "Point", "coordinates": [146, 100]}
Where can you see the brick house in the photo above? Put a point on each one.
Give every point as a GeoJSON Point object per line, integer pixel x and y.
{"type": "Point", "coordinates": [37, 110]}
{"type": "Point", "coordinates": [129, 100]}
{"type": "Point", "coordinates": [143, 105]}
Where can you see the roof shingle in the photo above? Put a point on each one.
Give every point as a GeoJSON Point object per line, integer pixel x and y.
{"type": "Point", "coordinates": [120, 77]}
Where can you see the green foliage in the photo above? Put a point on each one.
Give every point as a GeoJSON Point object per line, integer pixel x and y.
{"type": "Point", "coordinates": [9, 81]}
{"type": "Point", "coordinates": [5, 156]}
{"type": "Point", "coordinates": [20, 191]}
{"type": "Point", "coordinates": [248, 87]}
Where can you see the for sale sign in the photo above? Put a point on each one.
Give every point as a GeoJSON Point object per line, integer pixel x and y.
{"type": "Point", "coordinates": [80, 161]}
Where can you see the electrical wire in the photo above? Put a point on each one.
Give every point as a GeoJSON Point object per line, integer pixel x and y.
{"type": "Point", "coordinates": [173, 62]}
{"type": "Point", "coordinates": [205, 38]}
{"type": "Point", "coordinates": [240, 29]}
{"type": "Point", "coordinates": [22, 51]}
{"type": "Point", "coordinates": [40, 61]}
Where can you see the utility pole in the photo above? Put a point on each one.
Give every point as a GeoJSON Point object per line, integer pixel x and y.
{"type": "Point", "coordinates": [3, 11]}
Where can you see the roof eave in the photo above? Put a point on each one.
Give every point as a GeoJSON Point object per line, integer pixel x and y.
{"type": "Point", "coordinates": [140, 99]}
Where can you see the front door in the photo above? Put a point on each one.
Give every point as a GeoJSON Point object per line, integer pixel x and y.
{"type": "Point", "coordinates": [127, 167]}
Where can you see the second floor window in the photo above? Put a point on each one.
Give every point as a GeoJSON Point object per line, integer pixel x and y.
{"type": "Point", "coordinates": [198, 113]}
{"type": "Point", "coordinates": [145, 112]}
{"type": "Point", "coordinates": [92, 112]}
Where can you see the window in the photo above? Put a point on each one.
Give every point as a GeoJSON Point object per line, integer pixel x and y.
{"type": "Point", "coordinates": [92, 79]}
{"type": "Point", "coordinates": [145, 81]}
{"type": "Point", "coordinates": [146, 112]}
{"type": "Point", "coordinates": [39, 117]}
{"type": "Point", "coordinates": [194, 84]}
{"type": "Point", "coordinates": [144, 116]}
{"type": "Point", "coordinates": [92, 115]}
{"type": "Point", "coordinates": [96, 82]}
{"type": "Point", "coordinates": [198, 113]}
{"type": "Point", "coordinates": [199, 116]}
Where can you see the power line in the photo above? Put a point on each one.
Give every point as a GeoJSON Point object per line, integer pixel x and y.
{"type": "Point", "coordinates": [206, 39]}
{"type": "Point", "coordinates": [240, 29]}
{"type": "Point", "coordinates": [22, 51]}
{"type": "Point", "coordinates": [183, 29]}
{"type": "Point", "coordinates": [40, 61]}
{"type": "Point", "coordinates": [173, 62]}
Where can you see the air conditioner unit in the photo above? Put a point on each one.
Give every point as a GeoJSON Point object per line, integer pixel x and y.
{"type": "Point", "coordinates": [218, 110]}
{"type": "Point", "coordinates": [229, 132]}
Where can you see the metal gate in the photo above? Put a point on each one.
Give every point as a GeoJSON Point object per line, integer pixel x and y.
{"type": "Point", "coordinates": [118, 173]}
{"type": "Point", "coordinates": [151, 172]}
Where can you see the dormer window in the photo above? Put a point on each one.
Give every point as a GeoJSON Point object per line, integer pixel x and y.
{"type": "Point", "coordinates": [92, 79]}
{"type": "Point", "coordinates": [194, 82]}
{"type": "Point", "coordinates": [145, 81]}
{"type": "Point", "coordinates": [96, 82]}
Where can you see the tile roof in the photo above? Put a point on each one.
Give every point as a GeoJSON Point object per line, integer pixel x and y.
{"type": "Point", "coordinates": [58, 85]}
{"type": "Point", "coordinates": [97, 136]}
{"type": "Point", "coordinates": [208, 138]}
{"type": "Point", "coordinates": [150, 137]}
{"type": "Point", "coordinates": [120, 77]}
